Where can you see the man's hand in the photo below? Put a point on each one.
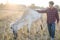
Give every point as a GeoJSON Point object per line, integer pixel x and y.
{"type": "Point", "coordinates": [58, 23]}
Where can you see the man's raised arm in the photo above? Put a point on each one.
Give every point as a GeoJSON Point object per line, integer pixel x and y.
{"type": "Point", "coordinates": [42, 11]}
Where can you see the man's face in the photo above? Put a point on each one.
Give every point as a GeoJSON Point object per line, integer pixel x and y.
{"type": "Point", "coordinates": [50, 5]}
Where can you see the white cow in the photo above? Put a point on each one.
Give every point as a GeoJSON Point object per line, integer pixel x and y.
{"type": "Point", "coordinates": [28, 18]}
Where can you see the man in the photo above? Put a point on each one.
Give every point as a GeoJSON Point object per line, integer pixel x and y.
{"type": "Point", "coordinates": [52, 16]}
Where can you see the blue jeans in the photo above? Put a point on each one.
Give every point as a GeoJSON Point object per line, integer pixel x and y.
{"type": "Point", "coordinates": [51, 29]}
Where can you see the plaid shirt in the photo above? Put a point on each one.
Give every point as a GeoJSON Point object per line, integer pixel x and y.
{"type": "Point", "coordinates": [52, 14]}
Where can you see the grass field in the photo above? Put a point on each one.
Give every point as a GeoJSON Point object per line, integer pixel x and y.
{"type": "Point", "coordinates": [36, 33]}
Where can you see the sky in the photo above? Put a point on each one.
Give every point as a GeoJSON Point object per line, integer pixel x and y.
{"type": "Point", "coordinates": [29, 2]}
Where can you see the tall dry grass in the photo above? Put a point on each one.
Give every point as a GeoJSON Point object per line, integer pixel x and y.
{"type": "Point", "coordinates": [36, 32]}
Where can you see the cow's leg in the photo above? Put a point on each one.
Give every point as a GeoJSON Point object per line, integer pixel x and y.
{"type": "Point", "coordinates": [29, 26]}
{"type": "Point", "coordinates": [15, 34]}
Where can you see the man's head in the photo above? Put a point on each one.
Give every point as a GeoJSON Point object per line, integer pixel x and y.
{"type": "Point", "coordinates": [51, 3]}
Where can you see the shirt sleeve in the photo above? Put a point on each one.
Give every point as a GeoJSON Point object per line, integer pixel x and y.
{"type": "Point", "coordinates": [42, 11]}
{"type": "Point", "coordinates": [57, 16]}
